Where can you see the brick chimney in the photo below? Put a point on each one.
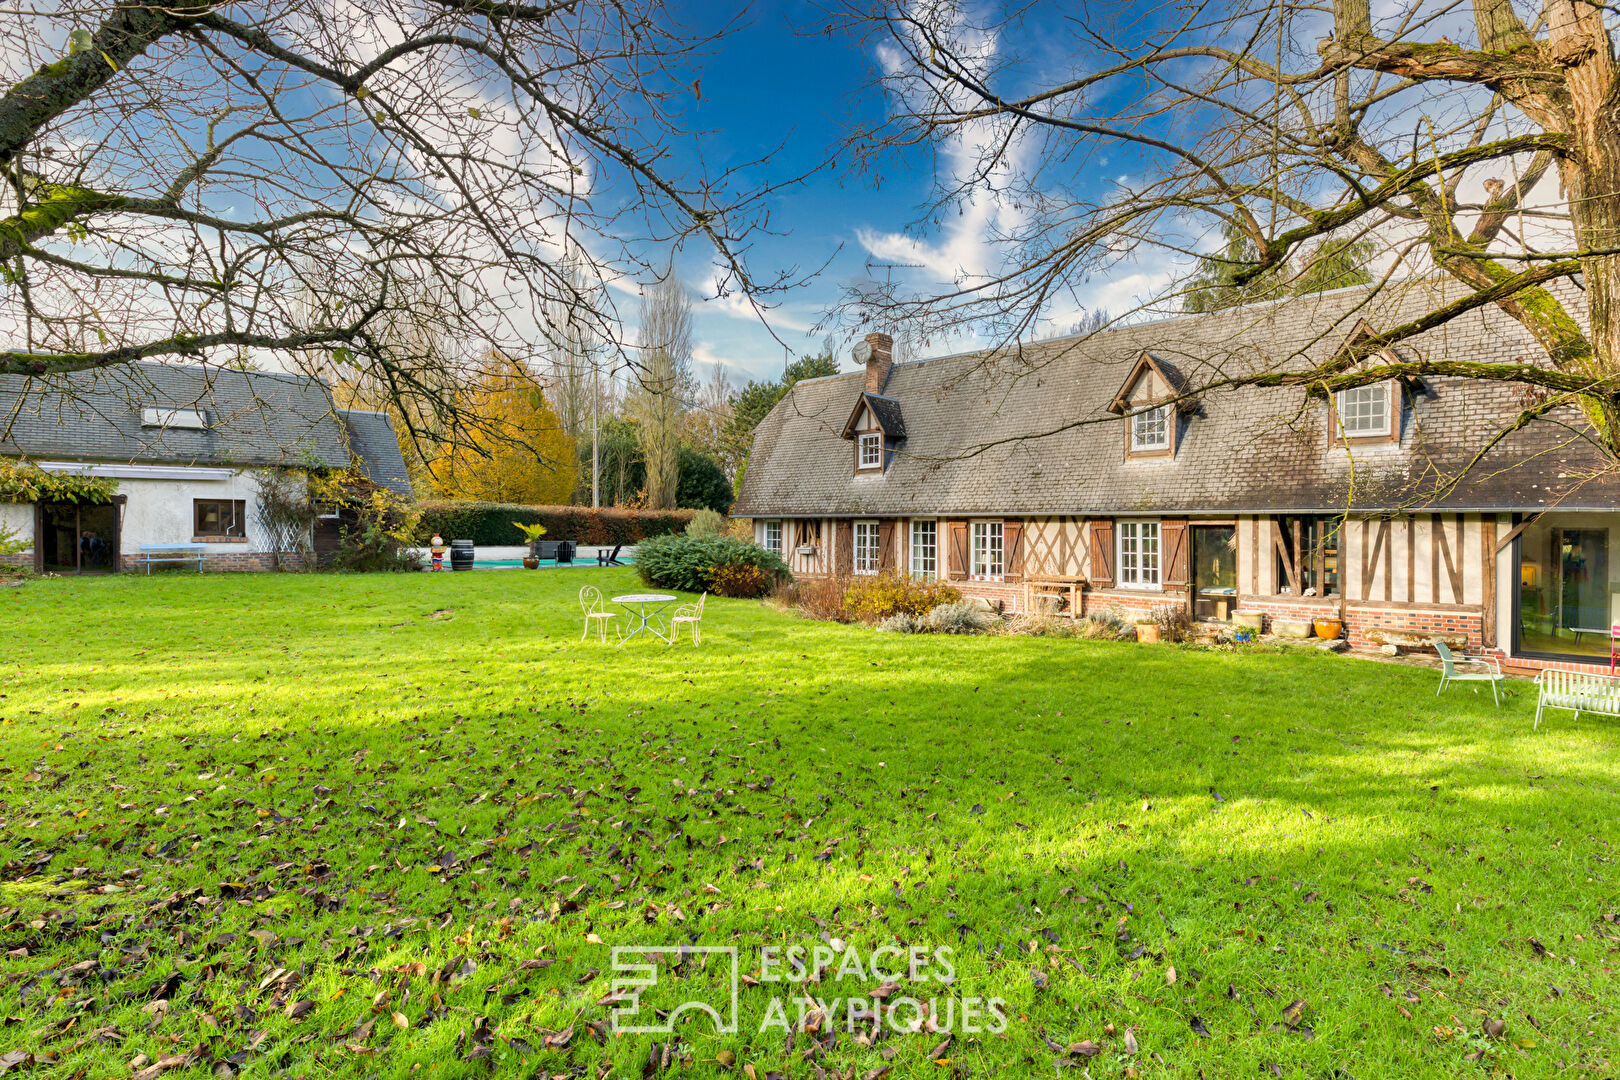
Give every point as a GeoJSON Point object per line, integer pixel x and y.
{"type": "Point", "coordinates": [879, 363]}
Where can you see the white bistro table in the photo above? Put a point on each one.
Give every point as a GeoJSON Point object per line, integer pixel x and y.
{"type": "Point", "coordinates": [645, 606]}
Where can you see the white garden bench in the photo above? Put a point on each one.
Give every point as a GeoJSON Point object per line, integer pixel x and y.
{"type": "Point", "coordinates": [1577, 691]}
{"type": "Point", "coordinates": [172, 553]}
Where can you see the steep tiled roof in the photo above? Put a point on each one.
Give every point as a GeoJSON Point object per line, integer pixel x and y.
{"type": "Point", "coordinates": [376, 449]}
{"type": "Point", "coordinates": [254, 418]}
{"type": "Point", "coordinates": [1028, 431]}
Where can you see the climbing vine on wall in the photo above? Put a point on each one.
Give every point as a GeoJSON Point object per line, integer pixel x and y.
{"type": "Point", "coordinates": [25, 482]}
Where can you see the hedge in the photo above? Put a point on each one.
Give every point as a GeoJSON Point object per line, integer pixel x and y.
{"type": "Point", "coordinates": [491, 523]}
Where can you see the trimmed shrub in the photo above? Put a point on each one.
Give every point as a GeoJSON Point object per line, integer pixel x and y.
{"type": "Point", "coordinates": [489, 523]}
{"type": "Point", "coordinates": [690, 563]}
{"type": "Point", "coordinates": [705, 523]}
{"type": "Point", "coordinates": [871, 599]}
{"type": "Point", "coordinates": [960, 617]}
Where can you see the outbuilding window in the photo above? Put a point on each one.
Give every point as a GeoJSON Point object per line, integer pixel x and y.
{"type": "Point", "coordinates": [772, 533]}
{"type": "Point", "coordinates": [220, 517]}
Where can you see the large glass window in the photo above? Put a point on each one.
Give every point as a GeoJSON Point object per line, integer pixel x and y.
{"type": "Point", "coordinates": [1566, 602]}
{"type": "Point", "coordinates": [1364, 411]}
{"type": "Point", "coordinates": [1214, 554]}
{"type": "Point", "coordinates": [1150, 430]}
{"type": "Point", "coordinates": [925, 550]}
{"type": "Point", "coordinates": [1315, 561]}
{"type": "Point", "coordinates": [78, 539]}
{"type": "Point", "coordinates": [1139, 554]}
{"type": "Point", "coordinates": [773, 536]}
{"type": "Point", "coordinates": [866, 547]}
{"type": "Point", "coordinates": [987, 550]}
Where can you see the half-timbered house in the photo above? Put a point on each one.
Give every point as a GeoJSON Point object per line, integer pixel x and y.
{"type": "Point", "coordinates": [1097, 469]}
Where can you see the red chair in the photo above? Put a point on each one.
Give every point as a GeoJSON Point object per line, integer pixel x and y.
{"type": "Point", "coordinates": [1614, 646]}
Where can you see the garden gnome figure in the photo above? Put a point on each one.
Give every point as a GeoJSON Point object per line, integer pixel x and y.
{"type": "Point", "coordinates": [436, 550]}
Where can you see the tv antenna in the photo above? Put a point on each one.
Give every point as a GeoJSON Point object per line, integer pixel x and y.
{"type": "Point", "coordinates": [890, 267]}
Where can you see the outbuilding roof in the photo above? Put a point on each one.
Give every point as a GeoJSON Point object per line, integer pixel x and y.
{"type": "Point", "coordinates": [1028, 430]}
{"type": "Point", "coordinates": [375, 447]}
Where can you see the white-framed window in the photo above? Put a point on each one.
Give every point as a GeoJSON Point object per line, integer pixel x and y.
{"type": "Point", "coordinates": [925, 550]}
{"type": "Point", "coordinates": [866, 547]}
{"type": "Point", "coordinates": [1364, 411]}
{"type": "Point", "coordinates": [1138, 554]}
{"type": "Point", "coordinates": [1150, 429]}
{"type": "Point", "coordinates": [871, 452]}
{"type": "Point", "coordinates": [772, 534]}
{"type": "Point", "coordinates": [987, 550]}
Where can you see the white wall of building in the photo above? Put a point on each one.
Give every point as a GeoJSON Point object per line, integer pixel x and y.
{"type": "Point", "coordinates": [162, 511]}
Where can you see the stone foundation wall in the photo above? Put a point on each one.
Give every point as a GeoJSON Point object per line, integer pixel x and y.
{"type": "Point", "coordinates": [213, 561]}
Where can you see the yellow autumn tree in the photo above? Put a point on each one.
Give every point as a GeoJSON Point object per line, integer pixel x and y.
{"type": "Point", "coordinates": [511, 446]}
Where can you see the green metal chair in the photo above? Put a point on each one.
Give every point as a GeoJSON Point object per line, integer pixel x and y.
{"type": "Point", "coordinates": [1473, 669]}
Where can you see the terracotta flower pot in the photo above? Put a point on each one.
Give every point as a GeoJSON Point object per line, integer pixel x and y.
{"type": "Point", "coordinates": [1147, 632]}
{"type": "Point", "coordinates": [1329, 629]}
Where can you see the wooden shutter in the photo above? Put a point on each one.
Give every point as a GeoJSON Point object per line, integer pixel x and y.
{"type": "Point", "coordinates": [844, 549]}
{"type": "Point", "coordinates": [1173, 553]}
{"type": "Point", "coordinates": [1012, 550]}
{"type": "Point", "coordinates": [1102, 554]}
{"type": "Point", "coordinates": [885, 545]}
{"type": "Point", "coordinates": [956, 549]}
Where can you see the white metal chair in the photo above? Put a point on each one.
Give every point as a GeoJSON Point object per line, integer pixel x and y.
{"type": "Point", "coordinates": [689, 615]}
{"type": "Point", "coordinates": [1475, 669]}
{"type": "Point", "coordinates": [590, 602]}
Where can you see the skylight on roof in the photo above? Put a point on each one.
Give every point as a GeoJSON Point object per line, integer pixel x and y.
{"type": "Point", "coordinates": [191, 419]}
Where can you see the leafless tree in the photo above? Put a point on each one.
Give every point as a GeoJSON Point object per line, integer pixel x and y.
{"type": "Point", "coordinates": [665, 385]}
{"type": "Point", "coordinates": [207, 180]}
{"type": "Point", "coordinates": [1110, 138]}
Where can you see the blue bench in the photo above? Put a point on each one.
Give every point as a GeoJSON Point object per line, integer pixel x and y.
{"type": "Point", "coordinates": [172, 553]}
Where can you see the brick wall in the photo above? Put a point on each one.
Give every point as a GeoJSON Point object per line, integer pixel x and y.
{"type": "Point", "coordinates": [1359, 620]}
{"type": "Point", "coordinates": [246, 561]}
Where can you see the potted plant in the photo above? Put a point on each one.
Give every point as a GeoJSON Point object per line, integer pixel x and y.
{"type": "Point", "coordinates": [1329, 629]}
{"type": "Point", "coordinates": [1147, 631]}
{"type": "Point", "coordinates": [531, 533]}
{"type": "Point", "coordinates": [1243, 634]}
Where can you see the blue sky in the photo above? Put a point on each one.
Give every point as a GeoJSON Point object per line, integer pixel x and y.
{"type": "Point", "coordinates": [767, 85]}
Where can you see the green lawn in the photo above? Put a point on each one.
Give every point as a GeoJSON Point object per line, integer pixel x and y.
{"type": "Point", "coordinates": [393, 825]}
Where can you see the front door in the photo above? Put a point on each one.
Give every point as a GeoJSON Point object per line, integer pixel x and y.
{"type": "Point", "coordinates": [1214, 554]}
{"type": "Point", "coordinates": [73, 539]}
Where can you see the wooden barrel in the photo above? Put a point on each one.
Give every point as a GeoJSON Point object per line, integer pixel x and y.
{"type": "Point", "coordinates": [461, 554]}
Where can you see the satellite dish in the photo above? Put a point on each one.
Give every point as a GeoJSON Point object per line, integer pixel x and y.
{"type": "Point", "coordinates": [863, 351]}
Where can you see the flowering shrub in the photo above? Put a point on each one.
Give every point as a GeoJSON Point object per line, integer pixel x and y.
{"type": "Point", "coordinates": [873, 599]}
{"type": "Point", "coordinates": [741, 582]}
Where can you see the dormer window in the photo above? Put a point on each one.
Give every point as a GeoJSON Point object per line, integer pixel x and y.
{"type": "Point", "coordinates": [871, 450]}
{"type": "Point", "coordinates": [1150, 429]}
{"type": "Point", "coordinates": [1150, 405]}
{"type": "Point", "coordinates": [1366, 415]}
{"type": "Point", "coordinates": [1364, 412]}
